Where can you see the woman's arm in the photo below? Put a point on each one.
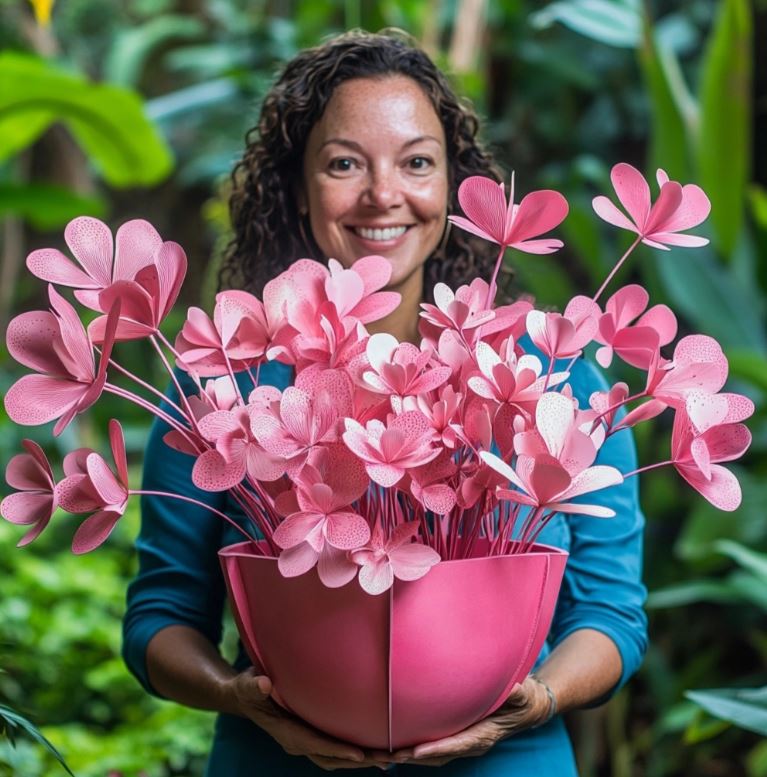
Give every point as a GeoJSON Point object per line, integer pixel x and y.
{"type": "Point", "coordinates": [183, 665]}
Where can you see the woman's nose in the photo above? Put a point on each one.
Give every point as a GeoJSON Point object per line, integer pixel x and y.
{"type": "Point", "coordinates": [384, 190]}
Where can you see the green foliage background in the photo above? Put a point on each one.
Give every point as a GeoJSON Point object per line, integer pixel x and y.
{"type": "Point", "coordinates": [138, 108]}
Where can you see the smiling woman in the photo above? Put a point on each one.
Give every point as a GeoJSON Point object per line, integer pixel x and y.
{"type": "Point", "coordinates": [376, 182]}
{"type": "Point", "coordinates": [359, 150]}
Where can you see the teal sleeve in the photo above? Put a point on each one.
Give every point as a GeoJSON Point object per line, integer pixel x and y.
{"type": "Point", "coordinates": [602, 587]}
{"type": "Point", "coordinates": [179, 579]}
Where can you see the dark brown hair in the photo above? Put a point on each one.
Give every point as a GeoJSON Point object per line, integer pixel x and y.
{"type": "Point", "coordinates": [268, 235]}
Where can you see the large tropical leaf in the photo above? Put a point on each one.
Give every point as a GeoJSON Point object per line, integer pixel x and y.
{"type": "Point", "coordinates": [614, 22]}
{"type": "Point", "coordinates": [135, 45]}
{"type": "Point", "coordinates": [725, 96]}
{"type": "Point", "coordinates": [11, 722]}
{"type": "Point", "coordinates": [673, 112]}
{"type": "Point", "coordinates": [713, 299]}
{"type": "Point", "coordinates": [745, 707]}
{"type": "Point", "coordinates": [107, 121]}
{"type": "Point", "coordinates": [749, 559]}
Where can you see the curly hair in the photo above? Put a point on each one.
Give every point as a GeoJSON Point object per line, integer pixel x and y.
{"type": "Point", "coordinates": [268, 234]}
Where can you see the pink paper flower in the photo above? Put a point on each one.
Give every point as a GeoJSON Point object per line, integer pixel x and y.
{"type": "Point", "coordinates": [36, 501]}
{"type": "Point", "coordinates": [237, 451]}
{"type": "Point", "coordinates": [562, 432]}
{"type": "Point", "coordinates": [297, 293]}
{"type": "Point", "coordinates": [302, 420]}
{"type": "Point", "coordinates": [658, 224]}
{"type": "Point", "coordinates": [561, 336]}
{"type": "Point", "coordinates": [383, 560]}
{"type": "Point", "coordinates": [697, 456]}
{"type": "Point", "coordinates": [636, 343]}
{"type": "Point", "coordinates": [217, 394]}
{"type": "Point", "coordinates": [389, 451]}
{"type": "Point", "coordinates": [442, 413]}
{"type": "Point", "coordinates": [428, 483]}
{"type": "Point", "coordinates": [543, 481]}
{"type": "Point", "coordinates": [400, 369]}
{"type": "Point", "coordinates": [490, 217]}
{"type": "Point", "coordinates": [462, 311]}
{"type": "Point", "coordinates": [325, 526]}
{"type": "Point", "coordinates": [91, 485]}
{"type": "Point", "coordinates": [146, 299]}
{"type": "Point", "coordinates": [90, 241]}
{"type": "Point", "coordinates": [143, 272]}
{"type": "Point", "coordinates": [698, 364]}
{"type": "Point", "coordinates": [514, 381]}
{"type": "Point", "coordinates": [239, 327]}
{"type": "Point", "coordinates": [55, 344]}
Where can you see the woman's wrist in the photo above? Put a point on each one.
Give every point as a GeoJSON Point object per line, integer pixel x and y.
{"type": "Point", "coordinates": [549, 701]}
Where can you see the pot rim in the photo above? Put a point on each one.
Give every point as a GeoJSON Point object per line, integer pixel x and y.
{"type": "Point", "coordinates": [240, 550]}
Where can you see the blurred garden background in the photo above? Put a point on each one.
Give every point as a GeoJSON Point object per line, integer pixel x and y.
{"type": "Point", "coordinates": [138, 108]}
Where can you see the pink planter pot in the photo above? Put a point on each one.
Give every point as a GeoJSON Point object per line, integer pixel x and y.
{"type": "Point", "coordinates": [422, 661]}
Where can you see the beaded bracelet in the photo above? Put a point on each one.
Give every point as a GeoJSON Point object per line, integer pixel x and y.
{"type": "Point", "coordinates": [552, 701]}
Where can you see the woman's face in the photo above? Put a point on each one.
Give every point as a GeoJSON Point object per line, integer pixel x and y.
{"type": "Point", "coordinates": [376, 178]}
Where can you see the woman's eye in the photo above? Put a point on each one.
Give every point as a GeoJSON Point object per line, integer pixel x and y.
{"type": "Point", "coordinates": [419, 163]}
{"type": "Point", "coordinates": [342, 165]}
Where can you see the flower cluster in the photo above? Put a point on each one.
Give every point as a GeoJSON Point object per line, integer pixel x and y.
{"type": "Point", "coordinates": [383, 457]}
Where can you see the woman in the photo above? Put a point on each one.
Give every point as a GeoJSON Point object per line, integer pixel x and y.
{"type": "Point", "coordinates": [359, 150]}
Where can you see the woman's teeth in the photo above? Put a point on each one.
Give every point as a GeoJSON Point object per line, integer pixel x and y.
{"type": "Point", "coordinates": [389, 233]}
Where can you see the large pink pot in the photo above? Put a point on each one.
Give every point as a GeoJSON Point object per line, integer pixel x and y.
{"type": "Point", "coordinates": [422, 661]}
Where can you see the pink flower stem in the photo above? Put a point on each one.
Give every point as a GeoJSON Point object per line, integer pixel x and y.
{"type": "Point", "coordinates": [231, 375]}
{"type": "Point", "coordinates": [549, 371]}
{"type": "Point", "coordinates": [616, 268]}
{"type": "Point", "coordinates": [541, 525]}
{"type": "Point", "coordinates": [146, 405]}
{"type": "Point", "coordinates": [473, 520]}
{"type": "Point", "coordinates": [259, 509]}
{"type": "Point", "coordinates": [648, 468]}
{"type": "Point", "coordinates": [612, 408]}
{"type": "Point", "coordinates": [194, 502]}
{"type": "Point", "coordinates": [190, 415]}
{"type": "Point", "coordinates": [492, 288]}
{"type": "Point", "coordinates": [144, 385]}
{"type": "Point", "coordinates": [531, 523]}
{"type": "Point", "coordinates": [177, 356]}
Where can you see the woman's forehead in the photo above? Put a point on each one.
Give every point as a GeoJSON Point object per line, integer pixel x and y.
{"type": "Point", "coordinates": [393, 108]}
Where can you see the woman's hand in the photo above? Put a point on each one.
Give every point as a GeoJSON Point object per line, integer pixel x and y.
{"type": "Point", "coordinates": [250, 696]}
{"type": "Point", "coordinates": [528, 705]}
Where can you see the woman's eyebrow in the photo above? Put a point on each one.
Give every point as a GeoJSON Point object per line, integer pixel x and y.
{"type": "Point", "coordinates": [354, 146]}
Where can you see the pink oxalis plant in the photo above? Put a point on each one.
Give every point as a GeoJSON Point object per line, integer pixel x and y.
{"type": "Point", "coordinates": [384, 457]}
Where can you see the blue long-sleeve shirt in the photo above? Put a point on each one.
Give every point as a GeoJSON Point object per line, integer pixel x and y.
{"type": "Point", "coordinates": [180, 581]}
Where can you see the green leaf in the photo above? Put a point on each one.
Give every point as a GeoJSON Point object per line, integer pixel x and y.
{"type": "Point", "coordinates": [749, 559]}
{"type": "Point", "coordinates": [706, 524]}
{"type": "Point", "coordinates": [711, 298]}
{"type": "Point", "coordinates": [673, 112]}
{"type": "Point", "coordinates": [133, 46]}
{"type": "Point", "coordinates": [13, 720]}
{"type": "Point", "coordinates": [745, 707]}
{"type": "Point", "coordinates": [725, 97]}
{"type": "Point", "coordinates": [48, 207]}
{"type": "Point", "coordinates": [703, 728]}
{"type": "Point", "coordinates": [758, 196]}
{"type": "Point", "coordinates": [109, 122]}
{"type": "Point", "coordinates": [606, 21]}
{"type": "Point", "coordinates": [692, 592]}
